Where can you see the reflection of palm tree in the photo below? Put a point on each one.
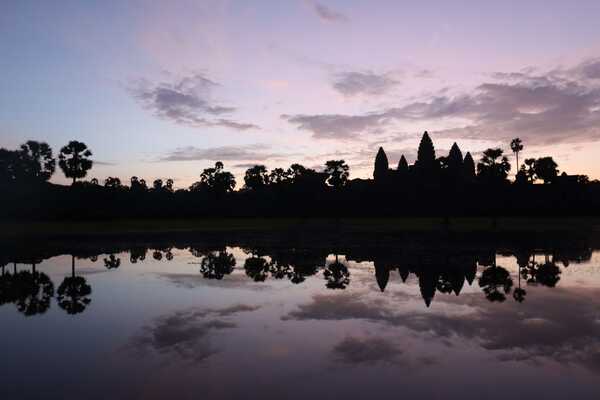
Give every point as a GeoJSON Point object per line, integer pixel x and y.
{"type": "Point", "coordinates": [112, 262]}
{"type": "Point", "coordinates": [493, 279]}
{"type": "Point", "coordinates": [33, 291]}
{"type": "Point", "coordinates": [73, 293]}
{"type": "Point", "coordinates": [337, 275]}
{"type": "Point", "coordinates": [215, 265]}
{"type": "Point", "coordinates": [522, 261]}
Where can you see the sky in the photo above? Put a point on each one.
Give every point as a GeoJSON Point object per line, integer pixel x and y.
{"type": "Point", "coordinates": [164, 89]}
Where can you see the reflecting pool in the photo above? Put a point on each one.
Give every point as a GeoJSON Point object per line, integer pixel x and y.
{"type": "Point", "coordinates": [301, 316]}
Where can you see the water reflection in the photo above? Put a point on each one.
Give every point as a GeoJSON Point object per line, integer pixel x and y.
{"type": "Point", "coordinates": [444, 267]}
{"type": "Point", "coordinates": [173, 316]}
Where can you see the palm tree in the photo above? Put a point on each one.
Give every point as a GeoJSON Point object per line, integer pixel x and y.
{"type": "Point", "coordinates": [516, 145]}
{"type": "Point", "coordinates": [74, 160]}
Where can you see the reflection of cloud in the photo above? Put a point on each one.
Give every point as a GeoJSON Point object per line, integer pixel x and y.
{"type": "Point", "coordinates": [559, 325]}
{"type": "Point", "coordinates": [356, 350]}
{"type": "Point", "coordinates": [233, 281]}
{"type": "Point", "coordinates": [186, 334]}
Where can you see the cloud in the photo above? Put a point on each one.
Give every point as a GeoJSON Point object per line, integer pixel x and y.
{"type": "Point", "coordinates": [185, 334]}
{"type": "Point", "coordinates": [327, 14]}
{"type": "Point", "coordinates": [336, 126]}
{"type": "Point", "coordinates": [369, 350]}
{"type": "Point", "coordinates": [256, 152]}
{"type": "Point", "coordinates": [186, 101]}
{"type": "Point", "coordinates": [561, 106]}
{"type": "Point", "coordinates": [363, 83]}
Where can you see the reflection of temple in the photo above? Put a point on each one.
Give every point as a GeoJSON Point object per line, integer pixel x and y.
{"type": "Point", "coordinates": [443, 265]}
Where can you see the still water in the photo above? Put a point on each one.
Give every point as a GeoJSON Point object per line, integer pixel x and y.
{"type": "Point", "coordinates": [409, 316]}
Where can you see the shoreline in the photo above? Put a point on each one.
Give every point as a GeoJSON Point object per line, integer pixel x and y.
{"type": "Point", "coordinates": [15, 229]}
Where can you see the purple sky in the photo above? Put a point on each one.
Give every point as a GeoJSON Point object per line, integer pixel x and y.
{"type": "Point", "coordinates": [164, 89]}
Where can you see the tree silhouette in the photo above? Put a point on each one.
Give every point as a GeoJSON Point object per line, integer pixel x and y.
{"type": "Point", "coordinates": [337, 172]}
{"type": "Point", "coordinates": [215, 180]}
{"type": "Point", "coordinates": [545, 168]}
{"type": "Point", "coordinates": [38, 161]}
{"type": "Point", "coordinates": [256, 177]}
{"type": "Point", "coordinates": [74, 160]}
{"type": "Point", "coordinates": [529, 169]}
{"type": "Point", "coordinates": [73, 293]}
{"type": "Point", "coordinates": [493, 167]}
{"type": "Point", "coordinates": [516, 145]}
{"type": "Point", "coordinates": [381, 166]}
{"type": "Point", "coordinates": [112, 183]}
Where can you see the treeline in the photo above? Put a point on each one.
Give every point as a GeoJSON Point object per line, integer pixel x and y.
{"type": "Point", "coordinates": [449, 185]}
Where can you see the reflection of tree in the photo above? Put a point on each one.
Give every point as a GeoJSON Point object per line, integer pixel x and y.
{"type": "Point", "coordinates": [522, 261]}
{"type": "Point", "coordinates": [494, 280]}
{"type": "Point", "coordinates": [215, 265]}
{"type": "Point", "coordinates": [112, 262]}
{"type": "Point", "coordinates": [546, 274]}
{"type": "Point", "coordinates": [73, 293]}
{"type": "Point", "coordinates": [137, 254]}
{"type": "Point", "coordinates": [33, 291]}
{"type": "Point", "coordinates": [337, 275]}
{"type": "Point", "coordinates": [257, 268]}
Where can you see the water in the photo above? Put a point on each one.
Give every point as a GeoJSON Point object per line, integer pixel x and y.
{"type": "Point", "coordinates": [282, 316]}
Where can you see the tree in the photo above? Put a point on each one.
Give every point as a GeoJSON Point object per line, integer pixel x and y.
{"type": "Point", "coordinates": [38, 161]}
{"type": "Point", "coordinates": [112, 183]}
{"type": "Point", "coordinates": [157, 185]}
{"type": "Point", "coordinates": [546, 168]}
{"type": "Point", "coordinates": [74, 160]}
{"type": "Point", "coordinates": [169, 185]}
{"type": "Point", "coordinates": [516, 145]}
{"type": "Point", "coordinates": [529, 169]}
{"type": "Point", "coordinates": [256, 177]}
{"type": "Point", "coordinates": [11, 166]}
{"type": "Point", "coordinates": [493, 167]}
{"type": "Point", "coordinates": [381, 165]}
{"type": "Point", "coordinates": [337, 172]}
{"type": "Point", "coordinates": [138, 185]}
{"type": "Point", "coordinates": [279, 176]}
{"type": "Point", "coordinates": [215, 180]}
